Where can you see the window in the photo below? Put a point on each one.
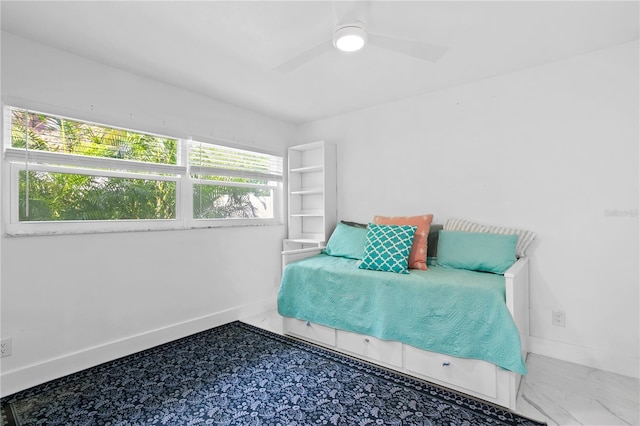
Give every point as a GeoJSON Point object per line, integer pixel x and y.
{"type": "Point", "coordinates": [66, 175]}
{"type": "Point", "coordinates": [230, 183]}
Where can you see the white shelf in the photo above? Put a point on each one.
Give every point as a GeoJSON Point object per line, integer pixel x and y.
{"type": "Point", "coordinates": [301, 243]}
{"type": "Point", "coordinates": [310, 191]}
{"type": "Point", "coordinates": [311, 194]}
{"type": "Point", "coordinates": [307, 169]}
{"type": "Point", "coordinates": [308, 213]}
{"type": "Point", "coordinates": [305, 241]}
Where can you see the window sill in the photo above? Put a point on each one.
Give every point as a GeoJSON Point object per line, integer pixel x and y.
{"type": "Point", "coordinates": [80, 228]}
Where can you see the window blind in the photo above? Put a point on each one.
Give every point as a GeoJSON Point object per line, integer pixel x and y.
{"type": "Point", "coordinates": [70, 176]}
{"type": "Point", "coordinates": [46, 139]}
{"type": "Point", "coordinates": [215, 160]}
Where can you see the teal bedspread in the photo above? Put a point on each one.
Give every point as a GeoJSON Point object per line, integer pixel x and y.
{"type": "Point", "coordinates": [450, 311]}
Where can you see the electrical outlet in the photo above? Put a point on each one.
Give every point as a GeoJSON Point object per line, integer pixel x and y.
{"type": "Point", "coordinates": [558, 318]}
{"type": "Point", "coordinates": [5, 347]}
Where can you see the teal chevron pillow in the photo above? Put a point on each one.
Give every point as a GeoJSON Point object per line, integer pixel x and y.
{"type": "Point", "coordinates": [387, 248]}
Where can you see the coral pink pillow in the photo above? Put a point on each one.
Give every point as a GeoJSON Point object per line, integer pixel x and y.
{"type": "Point", "coordinates": [418, 254]}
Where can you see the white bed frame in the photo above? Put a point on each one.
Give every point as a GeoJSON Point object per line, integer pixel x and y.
{"type": "Point", "coordinates": [474, 377]}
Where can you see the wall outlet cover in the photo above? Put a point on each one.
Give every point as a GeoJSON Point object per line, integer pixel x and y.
{"type": "Point", "coordinates": [558, 319]}
{"type": "Point", "coordinates": [5, 347]}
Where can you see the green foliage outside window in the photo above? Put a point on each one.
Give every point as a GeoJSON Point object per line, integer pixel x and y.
{"type": "Point", "coordinates": [218, 202]}
{"type": "Point", "coordinates": [64, 196]}
{"type": "Point", "coordinates": [69, 196]}
{"type": "Point", "coordinates": [55, 134]}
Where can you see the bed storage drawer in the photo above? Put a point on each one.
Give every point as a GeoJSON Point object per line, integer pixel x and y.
{"type": "Point", "coordinates": [376, 349]}
{"type": "Point", "coordinates": [474, 375]}
{"type": "Point", "coordinates": [310, 331]}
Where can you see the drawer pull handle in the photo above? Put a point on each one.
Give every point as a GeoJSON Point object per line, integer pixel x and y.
{"type": "Point", "coordinates": [308, 324]}
{"type": "Point", "coordinates": [366, 340]}
{"type": "Point", "coordinates": [446, 364]}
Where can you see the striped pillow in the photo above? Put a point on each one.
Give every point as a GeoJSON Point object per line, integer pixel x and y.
{"type": "Point", "coordinates": [464, 225]}
{"type": "Point", "coordinates": [524, 237]}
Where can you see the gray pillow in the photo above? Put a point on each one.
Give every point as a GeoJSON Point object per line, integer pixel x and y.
{"type": "Point", "coordinates": [432, 240]}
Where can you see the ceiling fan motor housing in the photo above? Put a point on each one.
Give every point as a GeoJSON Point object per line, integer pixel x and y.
{"type": "Point", "coordinates": [350, 37]}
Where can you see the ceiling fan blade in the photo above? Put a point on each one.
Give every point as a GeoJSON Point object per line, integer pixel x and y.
{"type": "Point", "coordinates": [417, 49]}
{"type": "Point", "coordinates": [305, 57]}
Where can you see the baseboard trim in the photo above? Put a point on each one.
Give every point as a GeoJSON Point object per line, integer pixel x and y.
{"type": "Point", "coordinates": [594, 358]}
{"type": "Point", "coordinates": [23, 378]}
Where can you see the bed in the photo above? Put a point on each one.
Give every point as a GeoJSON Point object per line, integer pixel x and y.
{"type": "Point", "coordinates": [445, 322]}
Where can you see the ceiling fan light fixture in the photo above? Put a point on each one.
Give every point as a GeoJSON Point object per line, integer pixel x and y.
{"type": "Point", "coordinates": [350, 38]}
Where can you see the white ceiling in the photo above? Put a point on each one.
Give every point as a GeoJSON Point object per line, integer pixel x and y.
{"type": "Point", "coordinates": [228, 50]}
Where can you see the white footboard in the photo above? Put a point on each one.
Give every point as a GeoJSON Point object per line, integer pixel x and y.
{"type": "Point", "coordinates": [516, 281]}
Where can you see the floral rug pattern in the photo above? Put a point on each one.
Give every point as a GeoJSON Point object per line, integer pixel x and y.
{"type": "Point", "coordinates": [237, 374]}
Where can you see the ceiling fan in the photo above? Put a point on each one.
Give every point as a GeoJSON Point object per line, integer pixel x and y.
{"type": "Point", "coordinates": [351, 35]}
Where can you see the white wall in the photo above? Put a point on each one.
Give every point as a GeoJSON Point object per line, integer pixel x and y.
{"type": "Point", "coordinates": [77, 300]}
{"type": "Point", "coordinates": [552, 149]}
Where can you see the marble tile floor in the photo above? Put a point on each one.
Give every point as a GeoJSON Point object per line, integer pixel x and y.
{"type": "Point", "coordinates": [554, 391]}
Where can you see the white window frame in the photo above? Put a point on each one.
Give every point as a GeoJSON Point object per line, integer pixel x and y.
{"type": "Point", "coordinates": [276, 188]}
{"type": "Point", "coordinates": [207, 223]}
{"type": "Point", "coordinates": [18, 159]}
{"type": "Point", "coordinates": [15, 227]}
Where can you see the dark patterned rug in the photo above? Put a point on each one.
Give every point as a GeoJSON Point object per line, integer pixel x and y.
{"type": "Point", "coordinates": [238, 374]}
